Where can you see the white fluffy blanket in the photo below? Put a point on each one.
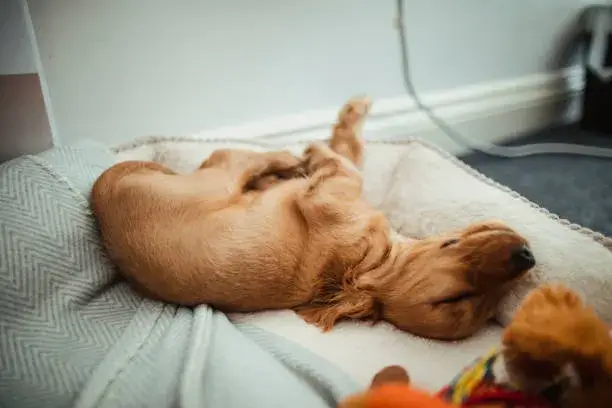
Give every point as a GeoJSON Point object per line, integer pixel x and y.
{"type": "Point", "coordinates": [424, 191]}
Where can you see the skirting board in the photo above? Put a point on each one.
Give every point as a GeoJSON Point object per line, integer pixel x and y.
{"type": "Point", "coordinates": [489, 112]}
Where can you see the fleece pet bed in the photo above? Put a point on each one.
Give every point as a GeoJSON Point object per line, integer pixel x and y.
{"type": "Point", "coordinates": [423, 191]}
{"type": "Point", "coordinates": [71, 334]}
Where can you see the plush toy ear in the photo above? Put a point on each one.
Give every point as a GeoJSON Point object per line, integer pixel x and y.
{"type": "Point", "coordinates": [391, 374]}
{"type": "Point", "coordinates": [390, 389]}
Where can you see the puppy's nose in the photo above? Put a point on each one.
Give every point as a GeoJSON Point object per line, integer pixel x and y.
{"type": "Point", "coordinates": [523, 258]}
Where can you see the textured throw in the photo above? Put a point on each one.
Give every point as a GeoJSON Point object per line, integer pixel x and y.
{"type": "Point", "coordinates": [72, 334]}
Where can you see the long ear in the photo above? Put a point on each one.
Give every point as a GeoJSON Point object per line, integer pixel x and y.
{"type": "Point", "coordinates": [349, 293]}
{"type": "Point", "coordinates": [346, 304]}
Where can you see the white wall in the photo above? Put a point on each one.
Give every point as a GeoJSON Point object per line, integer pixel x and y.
{"type": "Point", "coordinates": [117, 69]}
{"type": "Point", "coordinates": [16, 55]}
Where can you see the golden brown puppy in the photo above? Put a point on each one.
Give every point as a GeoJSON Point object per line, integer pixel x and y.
{"type": "Point", "coordinates": [244, 234]}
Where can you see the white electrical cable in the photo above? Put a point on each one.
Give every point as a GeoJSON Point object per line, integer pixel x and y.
{"type": "Point", "coordinates": [492, 150]}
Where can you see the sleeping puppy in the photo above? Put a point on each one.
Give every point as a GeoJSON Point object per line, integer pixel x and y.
{"type": "Point", "coordinates": [251, 231]}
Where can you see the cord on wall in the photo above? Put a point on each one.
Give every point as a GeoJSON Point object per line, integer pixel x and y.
{"type": "Point", "coordinates": [492, 150]}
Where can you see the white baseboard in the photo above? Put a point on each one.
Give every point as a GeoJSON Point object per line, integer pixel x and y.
{"type": "Point", "coordinates": [488, 112]}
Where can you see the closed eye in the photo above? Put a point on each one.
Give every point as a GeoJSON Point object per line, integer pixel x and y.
{"type": "Point", "coordinates": [449, 242]}
{"type": "Point", "coordinates": [467, 295]}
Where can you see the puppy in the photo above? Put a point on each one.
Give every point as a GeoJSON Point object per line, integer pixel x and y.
{"type": "Point", "coordinates": [247, 232]}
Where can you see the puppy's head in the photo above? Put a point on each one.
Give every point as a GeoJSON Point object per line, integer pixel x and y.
{"type": "Point", "coordinates": [481, 257]}
{"type": "Point", "coordinates": [449, 286]}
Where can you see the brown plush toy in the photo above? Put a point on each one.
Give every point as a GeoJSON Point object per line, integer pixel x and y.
{"type": "Point", "coordinates": [556, 353]}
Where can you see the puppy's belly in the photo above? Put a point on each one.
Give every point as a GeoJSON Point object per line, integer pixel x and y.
{"type": "Point", "coordinates": [256, 264]}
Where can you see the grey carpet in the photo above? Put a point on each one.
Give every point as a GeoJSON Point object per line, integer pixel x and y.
{"type": "Point", "coordinates": [575, 188]}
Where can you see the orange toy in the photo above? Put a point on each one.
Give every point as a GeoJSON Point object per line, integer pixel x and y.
{"type": "Point", "coordinates": [391, 389]}
{"type": "Point", "coordinates": [397, 396]}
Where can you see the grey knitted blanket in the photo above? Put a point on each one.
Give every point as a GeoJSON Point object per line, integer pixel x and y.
{"type": "Point", "coordinates": [73, 334]}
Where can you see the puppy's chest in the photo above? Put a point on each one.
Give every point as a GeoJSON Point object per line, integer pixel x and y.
{"type": "Point", "coordinates": [345, 258]}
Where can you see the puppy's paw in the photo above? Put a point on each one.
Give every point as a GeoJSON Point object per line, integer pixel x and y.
{"type": "Point", "coordinates": [347, 138]}
{"type": "Point", "coordinates": [282, 161]}
{"type": "Point", "coordinates": [354, 111]}
{"type": "Point", "coordinates": [316, 155]}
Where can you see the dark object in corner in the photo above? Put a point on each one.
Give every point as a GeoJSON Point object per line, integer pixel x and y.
{"type": "Point", "coordinates": [597, 97]}
{"type": "Point", "coordinates": [597, 104]}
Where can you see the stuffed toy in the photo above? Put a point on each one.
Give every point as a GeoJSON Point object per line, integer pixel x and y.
{"type": "Point", "coordinates": [391, 388]}
{"type": "Point", "coordinates": [556, 353]}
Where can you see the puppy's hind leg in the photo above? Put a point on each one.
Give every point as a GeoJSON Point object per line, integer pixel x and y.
{"type": "Point", "coordinates": [228, 173]}
{"type": "Point", "coordinates": [242, 166]}
{"type": "Point", "coordinates": [347, 137]}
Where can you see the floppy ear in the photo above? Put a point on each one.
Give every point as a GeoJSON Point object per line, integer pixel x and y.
{"type": "Point", "coordinates": [342, 294]}
{"type": "Point", "coordinates": [346, 304]}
